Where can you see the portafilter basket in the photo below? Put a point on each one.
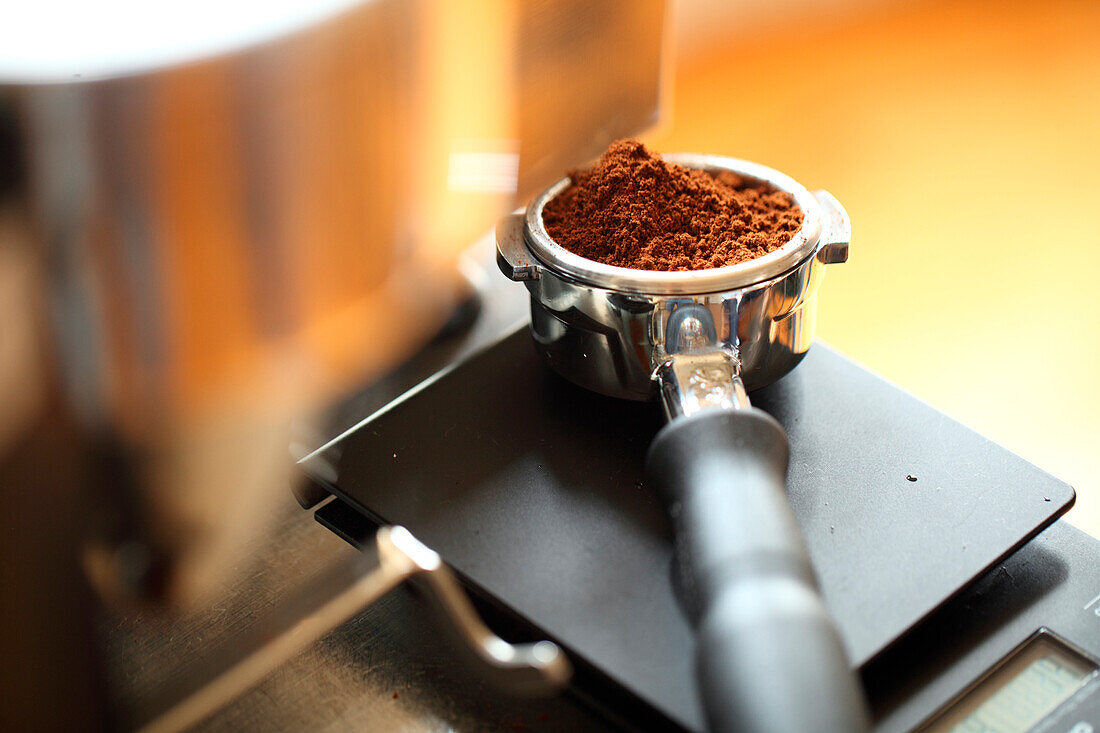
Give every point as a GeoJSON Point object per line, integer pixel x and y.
{"type": "Point", "coordinates": [767, 654]}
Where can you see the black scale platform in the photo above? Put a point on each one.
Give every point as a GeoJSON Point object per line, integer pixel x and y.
{"type": "Point", "coordinates": [533, 490]}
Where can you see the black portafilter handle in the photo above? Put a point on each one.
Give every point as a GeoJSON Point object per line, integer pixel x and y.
{"type": "Point", "coordinates": [768, 657]}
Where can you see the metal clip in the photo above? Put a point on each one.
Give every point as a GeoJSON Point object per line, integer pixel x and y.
{"type": "Point", "coordinates": [836, 229]}
{"type": "Point", "coordinates": [303, 619]}
{"type": "Point", "coordinates": [513, 258]}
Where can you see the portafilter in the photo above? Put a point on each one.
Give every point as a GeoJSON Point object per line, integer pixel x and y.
{"type": "Point", "coordinates": [767, 653]}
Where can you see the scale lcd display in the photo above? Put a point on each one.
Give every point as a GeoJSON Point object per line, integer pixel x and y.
{"type": "Point", "coordinates": [1023, 689]}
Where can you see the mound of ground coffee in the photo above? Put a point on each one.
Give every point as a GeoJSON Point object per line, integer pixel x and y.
{"type": "Point", "coordinates": [635, 210]}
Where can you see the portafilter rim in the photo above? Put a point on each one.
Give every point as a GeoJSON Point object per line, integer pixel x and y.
{"type": "Point", "coordinates": [802, 245]}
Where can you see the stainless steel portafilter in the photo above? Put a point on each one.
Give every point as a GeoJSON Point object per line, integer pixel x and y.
{"type": "Point", "coordinates": [768, 656]}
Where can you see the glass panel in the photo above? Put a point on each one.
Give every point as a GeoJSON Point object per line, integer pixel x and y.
{"type": "Point", "coordinates": [1028, 685]}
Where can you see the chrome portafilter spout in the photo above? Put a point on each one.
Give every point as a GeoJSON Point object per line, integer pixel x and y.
{"type": "Point", "coordinates": [768, 656]}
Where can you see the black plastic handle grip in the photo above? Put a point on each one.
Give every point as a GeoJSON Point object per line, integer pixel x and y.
{"type": "Point", "coordinates": [768, 657]}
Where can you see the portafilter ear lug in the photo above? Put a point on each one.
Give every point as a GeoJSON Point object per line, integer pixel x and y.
{"type": "Point", "coordinates": [513, 257]}
{"type": "Point", "coordinates": [836, 229]}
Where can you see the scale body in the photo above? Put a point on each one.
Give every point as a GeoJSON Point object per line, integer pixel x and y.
{"type": "Point", "coordinates": [937, 551]}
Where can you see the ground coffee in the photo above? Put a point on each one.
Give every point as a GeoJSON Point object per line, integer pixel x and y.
{"type": "Point", "coordinates": [635, 210]}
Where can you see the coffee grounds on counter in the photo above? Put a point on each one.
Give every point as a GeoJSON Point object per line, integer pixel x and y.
{"type": "Point", "coordinates": [635, 210]}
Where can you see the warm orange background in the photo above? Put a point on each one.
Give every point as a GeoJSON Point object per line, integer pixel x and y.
{"type": "Point", "coordinates": [964, 141]}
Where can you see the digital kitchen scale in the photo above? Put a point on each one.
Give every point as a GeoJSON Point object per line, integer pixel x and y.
{"type": "Point", "coordinates": [928, 540]}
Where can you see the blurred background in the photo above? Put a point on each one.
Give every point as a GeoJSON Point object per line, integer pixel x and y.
{"type": "Point", "coordinates": [962, 138]}
{"type": "Point", "coordinates": [211, 229]}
